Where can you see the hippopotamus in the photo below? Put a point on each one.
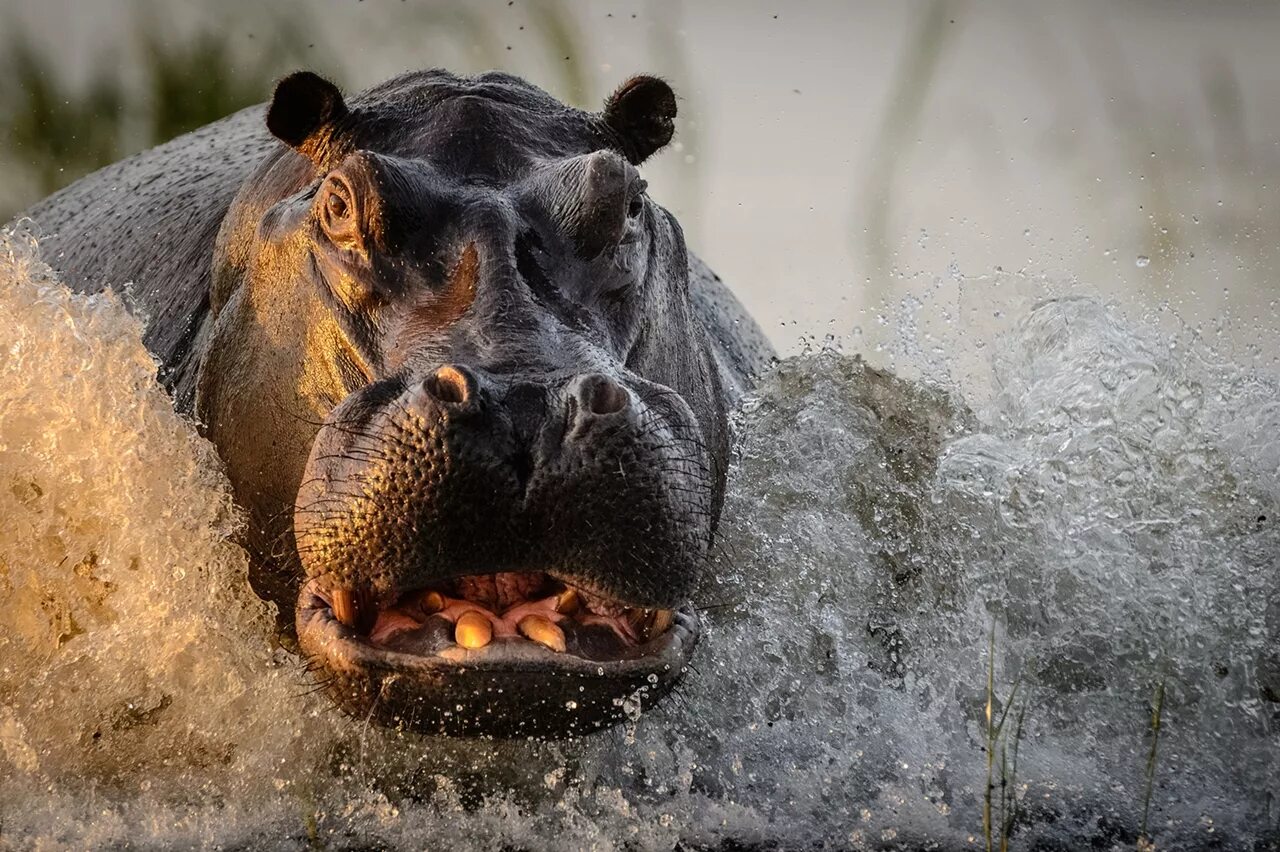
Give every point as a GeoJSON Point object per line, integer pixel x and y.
{"type": "Point", "coordinates": [470, 388]}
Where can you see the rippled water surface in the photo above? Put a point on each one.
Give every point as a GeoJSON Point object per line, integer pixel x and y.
{"type": "Point", "coordinates": [1104, 518]}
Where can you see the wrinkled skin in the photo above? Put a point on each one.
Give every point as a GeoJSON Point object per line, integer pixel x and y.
{"type": "Point", "coordinates": [455, 359]}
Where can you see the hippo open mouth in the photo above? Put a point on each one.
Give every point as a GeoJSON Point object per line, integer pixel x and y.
{"type": "Point", "coordinates": [452, 657]}
{"type": "Point", "coordinates": [581, 495]}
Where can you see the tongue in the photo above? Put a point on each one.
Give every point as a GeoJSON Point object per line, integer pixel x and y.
{"type": "Point", "coordinates": [499, 592]}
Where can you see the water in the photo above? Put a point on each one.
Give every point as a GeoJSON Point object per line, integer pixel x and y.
{"type": "Point", "coordinates": [1108, 510]}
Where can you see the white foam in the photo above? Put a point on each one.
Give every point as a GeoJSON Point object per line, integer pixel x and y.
{"type": "Point", "coordinates": [134, 661]}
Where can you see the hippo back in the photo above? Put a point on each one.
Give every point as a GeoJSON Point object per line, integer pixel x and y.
{"type": "Point", "coordinates": [738, 344]}
{"type": "Point", "coordinates": [146, 227]}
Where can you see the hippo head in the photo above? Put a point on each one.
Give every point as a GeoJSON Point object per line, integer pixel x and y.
{"type": "Point", "coordinates": [456, 379]}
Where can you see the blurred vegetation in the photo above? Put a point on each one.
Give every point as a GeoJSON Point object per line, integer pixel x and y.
{"type": "Point", "coordinates": [198, 81]}
{"type": "Point", "coordinates": [64, 134]}
{"type": "Point", "coordinates": [163, 80]}
{"type": "Point", "coordinates": [60, 131]}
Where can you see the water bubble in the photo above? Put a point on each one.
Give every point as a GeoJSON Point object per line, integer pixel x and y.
{"type": "Point", "coordinates": [1142, 261]}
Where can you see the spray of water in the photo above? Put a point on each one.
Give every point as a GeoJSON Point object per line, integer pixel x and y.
{"type": "Point", "coordinates": [1100, 530]}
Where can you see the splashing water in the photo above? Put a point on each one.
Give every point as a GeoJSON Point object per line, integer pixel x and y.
{"type": "Point", "coordinates": [1110, 510]}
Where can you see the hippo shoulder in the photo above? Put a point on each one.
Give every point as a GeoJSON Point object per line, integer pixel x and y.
{"type": "Point", "coordinates": [738, 344]}
{"type": "Point", "coordinates": [146, 226]}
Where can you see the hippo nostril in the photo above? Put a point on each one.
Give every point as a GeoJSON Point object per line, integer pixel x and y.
{"type": "Point", "coordinates": [450, 384]}
{"type": "Point", "coordinates": [601, 395]}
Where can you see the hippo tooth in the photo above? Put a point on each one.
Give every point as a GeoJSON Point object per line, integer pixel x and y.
{"type": "Point", "coordinates": [432, 602]}
{"type": "Point", "coordinates": [345, 608]}
{"type": "Point", "coordinates": [638, 618]}
{"type": "Point", "coordinates": [542, 630]}
{"type": "Point", "coordinates": [662, 620]}
{"type": "Point", "coordinates": [473, 630]}
{"type": "Point", "coordinates": [567, 602]}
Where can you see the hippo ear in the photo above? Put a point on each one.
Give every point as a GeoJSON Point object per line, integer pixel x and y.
{"type": "Point", "coordinates": [640, 112]}
{"type": "Point", "coordinates": [306, 113]}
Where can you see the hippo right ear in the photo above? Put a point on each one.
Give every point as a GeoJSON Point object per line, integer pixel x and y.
{"type": "Point", "coordinates": [307, 113]}
{"type": "Point", "coordinates": [640, 115]}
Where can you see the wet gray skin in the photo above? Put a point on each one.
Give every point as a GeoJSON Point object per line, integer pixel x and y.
{"type": "Point", "coordinates": [468, 385]}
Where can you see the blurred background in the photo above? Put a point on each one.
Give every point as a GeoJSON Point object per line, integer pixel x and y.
{"type": "Point", "coordinates": [865, 171]}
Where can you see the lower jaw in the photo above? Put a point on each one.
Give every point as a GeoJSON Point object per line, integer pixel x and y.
{"type": "Point", "coordinates": [515, 689]}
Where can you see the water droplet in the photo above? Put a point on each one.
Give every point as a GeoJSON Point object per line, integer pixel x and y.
{"type": "Point", "coordinates": [631, 706]}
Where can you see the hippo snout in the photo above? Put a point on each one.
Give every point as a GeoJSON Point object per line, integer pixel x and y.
{"type": "Point", "coordinates": [589, 477]}
{"type": "Point", "coordinates": [493, 516]}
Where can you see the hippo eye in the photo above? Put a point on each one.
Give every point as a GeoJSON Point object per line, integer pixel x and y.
{"type": "Point", "coordinates": [337, 213]}
{"type": "Point", "coordinates": [636, 206]}
{"type": "Point", "coordinates": [336, 206]}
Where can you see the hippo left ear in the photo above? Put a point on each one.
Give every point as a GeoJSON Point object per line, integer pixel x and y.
{"type": "Point", "coordinates": [307, 113]}
{"type": "Point", "coordinates": [640, 113]}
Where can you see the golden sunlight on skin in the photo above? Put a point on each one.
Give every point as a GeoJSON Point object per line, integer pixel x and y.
{"type": "Point", "coordinates": [321, 384]}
